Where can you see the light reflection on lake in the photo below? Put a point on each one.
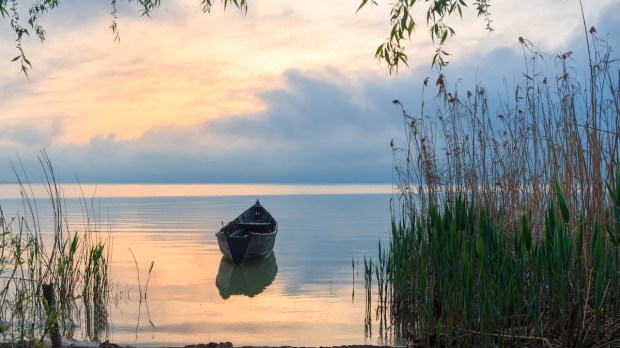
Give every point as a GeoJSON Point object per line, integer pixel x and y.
{"type": "Point", "coordinates": [302, 296]}
{"type": "Point", "coordinates": [249, 279]}
{"type": "Point", "coordinates": [8, 191]}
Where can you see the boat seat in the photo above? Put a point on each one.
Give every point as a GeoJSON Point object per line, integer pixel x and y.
{"type": "Point", "coordinates": [237, 233]}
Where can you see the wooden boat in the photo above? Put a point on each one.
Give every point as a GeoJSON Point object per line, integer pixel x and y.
{"type": "Point", "coordinates": [251, 235]}
{"type": "Point", "coordinates": [249, 279]}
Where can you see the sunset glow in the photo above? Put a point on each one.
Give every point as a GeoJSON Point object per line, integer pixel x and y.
{"type": "Point", "coordinates": [195, 76]}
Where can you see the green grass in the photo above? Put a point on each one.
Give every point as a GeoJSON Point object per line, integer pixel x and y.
{"type": "Point", "coordinates": [76, 262]}
{"type": "Point", "coordinates": [458, 277]}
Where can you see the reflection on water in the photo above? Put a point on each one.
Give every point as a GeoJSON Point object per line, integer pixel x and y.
{"type": "Point", "coordinates": [305, 299]}
{"type": "Point", "coordinates": [249, 278]}
{"type": "Point", "coordinates": [96, 318]}
{"type": "Point", "coordinates": [9, 191]}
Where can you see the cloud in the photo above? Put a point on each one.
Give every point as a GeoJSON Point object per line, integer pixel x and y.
{"type": "Point", "coordinates": [32, 133]}
{"type": "Point", "coordinates": [178, 101]}
{"type": "Point", "coordinates": [310, 131]}
{"type": "Point", "coordinates": [318, 127]}
{"type": "Point", "coordinates": [176, 67]}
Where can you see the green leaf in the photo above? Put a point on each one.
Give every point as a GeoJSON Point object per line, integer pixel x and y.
{"type": "Point", "coordinates": [3, 10]}
{"type": "Point", "coordinates": [403, 58]}
{"type": "Point", "coordinates": [379, 49]}
{"type": "Point", "coordinates": [612, 237]}
{"type": "Point", "coordinates": [617, 198]}
{"type": "Point", "coordinates": [410, 28]}
{"type": "Point", "coordinates": [580, 235]}
{"type": "Point", "coordinates": [444, 37]}
{"type": "Point", "coordinates": [609, 188]}
{"type": "Point", "coordinates": [393, 34]}
{"type": "Point", "coordinates": [562, 202]}
{"type": "Point", "coordinates": [74, 244]}
{"type": "Point", "coordinates": [24, 70]}
{"type": "Point", "coordinates": [16, 58]}
{"type": "Point", "coordinates": [597, 247]}
{"type": "Point", "coordinates": [364, 2]}
{"type": "Point", "coordinates": [526, 232]}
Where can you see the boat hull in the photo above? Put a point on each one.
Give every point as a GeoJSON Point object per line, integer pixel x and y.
{"type": "Point", "coordinates": [251, 235]}
{"type": "Point", "coordinates": [240, 249]}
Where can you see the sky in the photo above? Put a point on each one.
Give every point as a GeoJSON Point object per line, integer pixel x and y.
{"type": "Point", "coordinates": [288, 93]}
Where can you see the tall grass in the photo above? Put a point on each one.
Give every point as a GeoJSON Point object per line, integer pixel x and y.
{"type": "Point", "coordinates": [548, 127]}
{"type": "Point", "coordinates": [75, 262]}
{"type": "Point", "coordinates": [509, 221]}
{"type": "Point", "coordinates": [458, 276]}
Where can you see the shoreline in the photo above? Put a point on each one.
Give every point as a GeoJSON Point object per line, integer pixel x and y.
{"type": "Point", "coordinates": [107, 344]}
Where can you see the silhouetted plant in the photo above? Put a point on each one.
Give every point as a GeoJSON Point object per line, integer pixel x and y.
{"type": "Point", "coordinates": [509, 222]}
{"type": "Point", "coordinates": [75, 262]}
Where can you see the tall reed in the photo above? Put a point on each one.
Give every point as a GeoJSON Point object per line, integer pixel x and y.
{"type": "Point", "coordinates": [508, 223]}
{"type": "Point", "coordinates": [459, 277]}
{"type": "Point", "coordinates": [509, 158]}
{"type": "Point", "coordinates": [75, 262]}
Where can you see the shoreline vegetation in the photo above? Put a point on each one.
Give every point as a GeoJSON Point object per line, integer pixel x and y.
{"type": "Point", "coordinates": [229, 345]}
{"type": "Point", "coordinates": [506, 230]}
{"type": "Point", "coordinates": [52, 281]}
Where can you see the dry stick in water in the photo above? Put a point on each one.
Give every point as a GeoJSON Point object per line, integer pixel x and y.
{"type": "Point", "coordinates": [142, 294]}
{"type": "Point", "coordinates": [52, 315]}
{"type": "Point", "coordinates": [137, 270]}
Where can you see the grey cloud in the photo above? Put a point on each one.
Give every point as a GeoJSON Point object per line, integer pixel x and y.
{"type": "Point", "coordinates": [312, 131]}
{"type": "Point", "coordinates": [35, 133]}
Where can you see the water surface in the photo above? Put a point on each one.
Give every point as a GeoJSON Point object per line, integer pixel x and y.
{"type": "Point", "coordinates": [303, 295]}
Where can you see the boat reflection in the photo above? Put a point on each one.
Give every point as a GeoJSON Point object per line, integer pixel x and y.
{"type": "Point", "coordinates": [249, 279]}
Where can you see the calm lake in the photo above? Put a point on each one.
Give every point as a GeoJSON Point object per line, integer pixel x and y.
{"type": "Point", "coordinates": [306, 294]}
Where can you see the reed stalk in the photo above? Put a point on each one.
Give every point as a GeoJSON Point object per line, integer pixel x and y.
{"type": "Point", "coordinates": [459, 277]}
{"type": "Point", "coordinates": [508, 226]}
{"type": "Point", "coordinates": [75, 260]}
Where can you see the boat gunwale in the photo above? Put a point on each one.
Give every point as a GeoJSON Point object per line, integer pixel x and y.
{"type": "Point", "coordinates": [254, 225]}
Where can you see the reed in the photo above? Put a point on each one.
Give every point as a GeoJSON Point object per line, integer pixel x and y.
{"type": "Point", "coordinates": [148, 279]}
{"type": "Point", "coordinates": [73, 258]}
{"type": "Point", "coordinates": [456, 276]}
{"type": "Point", "coordinates": [508, 223]}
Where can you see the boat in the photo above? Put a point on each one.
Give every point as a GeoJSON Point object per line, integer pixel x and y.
{"type": "Point", "coordinates": [251, 235]}
{"type": "Point", "coordinates": [249, 279]}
